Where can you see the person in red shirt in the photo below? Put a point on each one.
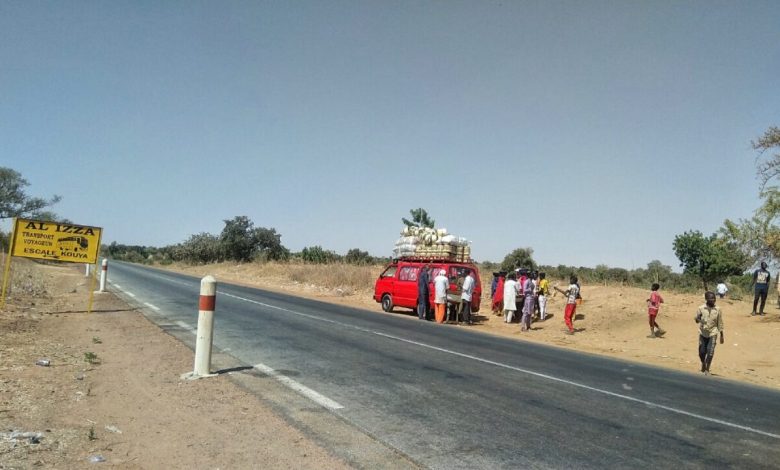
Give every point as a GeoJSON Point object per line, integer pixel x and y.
{"type": "Point", "coordinates": [653, 305]}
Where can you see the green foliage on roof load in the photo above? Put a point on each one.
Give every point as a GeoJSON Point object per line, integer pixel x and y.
{"type": "Point", "coordinates": [420, 218]}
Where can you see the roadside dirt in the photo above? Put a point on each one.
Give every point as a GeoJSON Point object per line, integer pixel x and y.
{"type": "Point", "coordinates": [132, 409]}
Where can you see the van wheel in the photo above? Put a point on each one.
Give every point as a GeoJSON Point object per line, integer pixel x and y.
{"type": "Point", "coordinates": [387, 303]}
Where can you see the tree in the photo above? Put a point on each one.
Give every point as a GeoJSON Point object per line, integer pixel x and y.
{"type": "Point", "coordinates": [236, 239]}
{"type": "Point", "coordinates": [709, 258]}
{"type": "Point", "coordinates": [241, 241]}
{"type": "Point", "coordinates": [420, 218]}
{"type": "Point", "coordinates": [14, 201]}
{"type": "Point", "coordinates": [756, 238]}
{"type": "Point", "coordinates": [519, 258]}
{"type": "Point", "coordinates": [356, 256]}
{"type": "Point", "coordinates": [770, 168]}
{"type": "Point", "coordinates": [268, 244]}
{"type": "Point", "coordinates": [659, 272]}
{"type": "Point", "coordinates": [202, 248]}
{"type": "Point", "coordinates": [759, 237]}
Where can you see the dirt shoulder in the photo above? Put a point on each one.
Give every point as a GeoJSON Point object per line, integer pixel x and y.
{"type": "Point", "coordinates": [130, 407]}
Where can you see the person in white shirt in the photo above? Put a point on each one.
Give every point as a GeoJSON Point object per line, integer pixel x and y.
{"type": "Point", "coordinates": [440, 284]}
{"type": "Point", "coordinates": [721, 289]}
{"type": "Point", "coordinates": [511, 290]}
{"type": "Point", "coordinates": [465, 298]}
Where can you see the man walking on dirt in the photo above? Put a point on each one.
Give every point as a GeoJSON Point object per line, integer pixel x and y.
{"type": "Point", "coordinates": [710, 320]}
{"type": "Point", "coordinates": [422, 292]}
{"type": "Point", "coordinates": [761, 282]}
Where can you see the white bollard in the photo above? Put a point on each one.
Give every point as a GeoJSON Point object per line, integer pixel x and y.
{"type": "Point", "coordinates": [208, 300]}
{"type": "Point", "coordinates": [103, 275]}
{"type": "Point", "coordinates": [86, 269]}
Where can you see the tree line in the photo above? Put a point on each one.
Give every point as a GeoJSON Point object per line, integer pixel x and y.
{"type": "Point", "coordinates": [239, 241]}
{"type": "Point", "coordinates": [727, 254]}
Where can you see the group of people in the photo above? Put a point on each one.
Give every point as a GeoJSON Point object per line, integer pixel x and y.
{"type": "Point", "coordinates": [524, 292]}
{"type": "Point", "coordinates": [527, 291]}
{"type": "Point", "coordinates": [441, 284]}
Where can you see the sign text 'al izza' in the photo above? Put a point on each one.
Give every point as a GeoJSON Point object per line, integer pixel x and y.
{"type": "Point", "coordinates": [56, 241]}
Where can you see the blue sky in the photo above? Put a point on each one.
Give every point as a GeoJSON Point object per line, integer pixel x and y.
{"type": "Point", "coordinates": [590, 131]}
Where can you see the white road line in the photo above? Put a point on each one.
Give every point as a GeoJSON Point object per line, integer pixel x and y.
{"type": "Point", "coordinates": [517, 369]}
{"type": "Point", "coordinates": [153, 307]}
{"type": "Point", "coordinates": [130, 294]}
{"type": "Point", "coordinates": [116, 285]}
{"type": "Point", "coordinates": [187, 327]}
{"type": "Point", "coordinates": [300, 388]}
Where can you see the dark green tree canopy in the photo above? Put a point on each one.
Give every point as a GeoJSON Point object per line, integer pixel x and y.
{"type": "Point", "coordinates": [241, 241]}
{"type": "Point", "coordinates": [420, 218]}
{"type": "Point", "coordinates": [519, 258]}
{"type": "Point", "coordinates": [710, 258]}
{"type": "Point", "coordinates": [14, 201]}
{"type": "Point", "coordinates": [358, 256]}
{"type": "Point", "coordinates": [236, 239]}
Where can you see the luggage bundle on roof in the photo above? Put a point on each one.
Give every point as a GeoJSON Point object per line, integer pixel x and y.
{"type": "Point", "coordinates": [431, 244]}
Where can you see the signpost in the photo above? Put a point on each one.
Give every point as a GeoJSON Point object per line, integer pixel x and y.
{"type": "Point", "coordinates": [54, 241]}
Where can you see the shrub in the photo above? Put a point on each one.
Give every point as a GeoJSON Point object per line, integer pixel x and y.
{"type": "Point", "coordinates": [318, 255]}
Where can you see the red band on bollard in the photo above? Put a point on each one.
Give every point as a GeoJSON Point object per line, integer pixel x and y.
{"type": "Point", "coordinates": [105, 267]}
{"type": "Point", "coordinates": [207, 303]}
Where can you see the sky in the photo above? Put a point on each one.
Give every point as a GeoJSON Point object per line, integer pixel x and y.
{"type": "Point", "coordinates": [593, 132]}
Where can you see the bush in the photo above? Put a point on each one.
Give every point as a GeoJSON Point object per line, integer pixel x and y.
{"type": "Point", "coordinates": [317, 255]}
{"type": "Point", "coordinates": [355, 256]}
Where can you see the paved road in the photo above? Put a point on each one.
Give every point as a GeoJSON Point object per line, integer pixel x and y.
{"type": "Point", "coordinates": [450, 397]}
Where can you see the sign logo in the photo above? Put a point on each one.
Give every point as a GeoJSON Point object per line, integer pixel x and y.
{"type": "Point", "coordinates": [56, 241]}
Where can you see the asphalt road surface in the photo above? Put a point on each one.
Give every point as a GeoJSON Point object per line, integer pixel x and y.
{"type": "Point", "coordinates": [449, 397]}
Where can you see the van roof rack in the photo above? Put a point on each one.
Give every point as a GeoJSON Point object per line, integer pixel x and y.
{"type": "Point", "coordinates": [434, 259]}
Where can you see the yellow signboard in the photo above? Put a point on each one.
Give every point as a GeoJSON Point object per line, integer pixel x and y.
{"type": "Point", "coordinates": [56, 241]}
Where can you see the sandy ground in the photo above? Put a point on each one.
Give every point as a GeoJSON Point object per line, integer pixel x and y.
{"type": "Point", "coordinates": [132, 409]}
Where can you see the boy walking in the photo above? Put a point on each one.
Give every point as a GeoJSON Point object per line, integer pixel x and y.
{"type": "Point", "coordinates": [571, 303]}
{"type": "Point", "coordinates": [653, 305]}
{"type": "Point", "coordinates": [710, 322]}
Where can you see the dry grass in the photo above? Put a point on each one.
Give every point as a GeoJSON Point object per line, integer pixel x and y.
{"type": "Point", "coordinates": [344, 279]}
{"type": "Point", "coordinates": [25, 280]}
